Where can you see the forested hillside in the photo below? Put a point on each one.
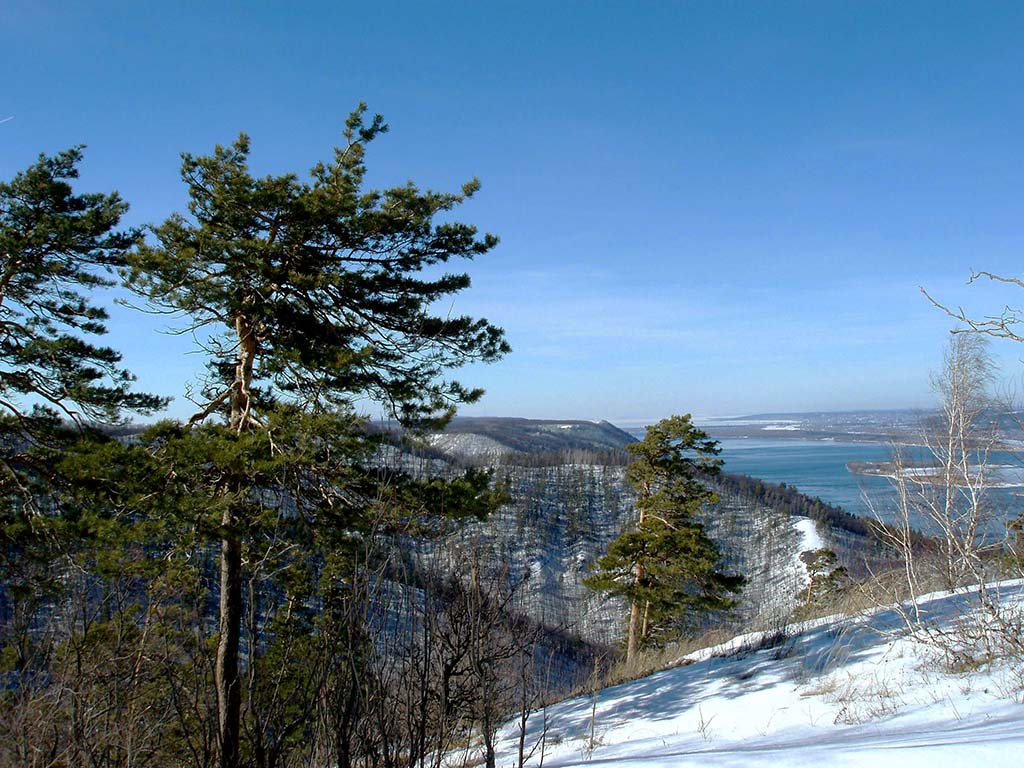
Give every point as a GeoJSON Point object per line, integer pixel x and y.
{"type": "Point", "coordinates": [565, 508]}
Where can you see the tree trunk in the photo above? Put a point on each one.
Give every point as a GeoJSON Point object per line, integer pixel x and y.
{"type": "Point", "coordinates": [637, 618]}
{"type": "Point", "coordinates": [229, 692]}
{"type": "Point", "coordinates": [241, 393]}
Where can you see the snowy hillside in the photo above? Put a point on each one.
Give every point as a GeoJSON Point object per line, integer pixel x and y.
{"type": "Point", "coordinates": [561, 519]}
{"type": "Point", "coordinates": [469, 445]}
{"type": "Point", "coordinates": [843, 692]}
{"type": "Point", "coordinates": [538, 435]}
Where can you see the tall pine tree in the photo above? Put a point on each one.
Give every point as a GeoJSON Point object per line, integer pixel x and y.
{"type": "Point", "coordinates": [57, 247]}
{"type": "Point", "coordinates": [667, 566]}
{"type": "Point", "coordinates": [309, 297]}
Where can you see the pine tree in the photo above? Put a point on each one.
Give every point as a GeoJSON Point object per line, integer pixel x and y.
{"type": "Point", "coordinates": [667, 566]}
{"type": "Point", "coordinates": [826, 580]}
{"type": "Point", "coordinates": [314, 292]}
{"type": "Point", "coordinates": [313, 296]}
{"type": "Point", "coordinates": [57, 247]}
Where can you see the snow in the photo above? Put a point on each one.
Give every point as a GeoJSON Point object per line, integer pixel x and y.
{"type": "Point", "coordinates": [839, 691]}
{"type": "Point", "coordinates": [809, 536]}
{"type": "Point", "coordinates": [467, 444]}
{"type": "Point", "coordinates": [810, 539]}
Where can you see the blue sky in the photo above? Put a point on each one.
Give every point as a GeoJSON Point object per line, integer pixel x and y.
{"type": "Point", "coordinates": [712, 207]}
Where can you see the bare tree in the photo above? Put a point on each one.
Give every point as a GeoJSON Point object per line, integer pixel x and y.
{"type": "Point", "coordinates": [943, 490]}
{"type": "Point", "coordinates": [941, 485]}
{"type": "Point", "coordinates": [1001, 326]}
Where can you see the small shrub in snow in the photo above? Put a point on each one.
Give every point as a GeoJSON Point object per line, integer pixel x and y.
{"type": "Point", "coordinates": [864, 701]}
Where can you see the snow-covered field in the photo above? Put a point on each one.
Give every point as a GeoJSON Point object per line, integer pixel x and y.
{"type": "Point", "coordinates": [843, 692]}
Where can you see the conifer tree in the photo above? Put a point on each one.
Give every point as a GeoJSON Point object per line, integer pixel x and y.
{"type": "Point", "coordinates": [826, 580]}
{"type": "Point", "coordinates": [667, 566]}
{"type": "Point", "coordinates": [310, 296]}
{"type": "Point", "coordinates": [57, 247]}
{"type": "Point", "coordinates": [314, 292]}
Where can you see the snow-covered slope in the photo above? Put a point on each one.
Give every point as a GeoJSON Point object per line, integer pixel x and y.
{"type": "Point", "coordinates": [843, 692]}
{"type": "Point", "coordinates": [466, 444]}
{"type": "Point", "coordinates": [561, 518]}
{"type": "Point", "coordinates": [540, 435]}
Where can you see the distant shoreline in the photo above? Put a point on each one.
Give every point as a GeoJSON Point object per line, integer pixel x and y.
{"type": "Point", "coordinates": [815, 436]}
{"type": "Point", "coordinates": [921, 472]}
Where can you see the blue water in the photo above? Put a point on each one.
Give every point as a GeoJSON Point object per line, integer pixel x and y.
{"type": "Point", "coordinates": [814, 467]}
{"type": "Point", "coordinates": [818, 468]}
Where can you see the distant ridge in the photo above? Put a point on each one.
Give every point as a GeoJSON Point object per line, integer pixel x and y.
{"type": "Point", "coordinates": [541, 435]}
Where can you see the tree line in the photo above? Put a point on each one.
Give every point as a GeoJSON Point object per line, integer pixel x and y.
{"type": "Point", "coordinates": [788, 500]}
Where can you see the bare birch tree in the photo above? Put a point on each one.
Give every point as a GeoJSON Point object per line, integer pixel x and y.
{"type": "Point", "coordinates": [943, 489]}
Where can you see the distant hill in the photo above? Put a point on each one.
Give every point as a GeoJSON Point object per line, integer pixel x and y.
{"type": "Point", "coordinates": [882, 426]}
{"type": "Point", "coordinates": [497, 436]}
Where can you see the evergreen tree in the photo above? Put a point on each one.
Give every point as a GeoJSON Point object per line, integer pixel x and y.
{"type": "Point", "coordinates": [667, 566]}
{"type": "Point", "coordinates": [314, 292]}
{"type": "Point", "coordinates": [312, 296]}
{"type": "Point", "coordinates": [56, 247]}
{"type": "Point", "coordinates": [826, 580]}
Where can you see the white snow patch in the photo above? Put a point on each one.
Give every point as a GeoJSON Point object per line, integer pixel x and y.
{"type": "Point", "coordinates": [809, 536]}
{"type": "Point", "coordinates": [843, 692]}
{"type": "Point", "coordinates": [810, 539]}
{"type": "Point", "coordinates": [783, 427]}
{"type": "Point", "coordinates": [467, 444]}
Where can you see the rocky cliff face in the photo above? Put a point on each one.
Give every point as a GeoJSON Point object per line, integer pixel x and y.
{"type": "Point", "coordinates": [570, 499]}
{"type": "Point", "coordinates": [561, 519]}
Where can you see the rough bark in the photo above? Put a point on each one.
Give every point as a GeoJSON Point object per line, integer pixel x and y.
{"type": "Point", "coordinates": [637, 614]}
{"type": "Point", "coordinates": [229, 692]}
{"type": "Point", "coordinates": [241, 393]}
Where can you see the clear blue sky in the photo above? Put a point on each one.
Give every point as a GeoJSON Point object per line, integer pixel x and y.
{"type": "Point", "coordinates": [712, 207]}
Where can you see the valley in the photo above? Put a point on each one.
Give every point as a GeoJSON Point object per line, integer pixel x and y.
{"type": "Point", "coordinates": [569, 499]}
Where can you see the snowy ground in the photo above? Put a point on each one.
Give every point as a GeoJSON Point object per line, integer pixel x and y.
{"type": "Point", "coordinates": [848, 692]}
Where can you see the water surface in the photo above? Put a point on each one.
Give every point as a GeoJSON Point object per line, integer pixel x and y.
{"type": "Point", "coordinates": [819, 468]}
{"type": "Point", "coordinates": [813, 467]}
